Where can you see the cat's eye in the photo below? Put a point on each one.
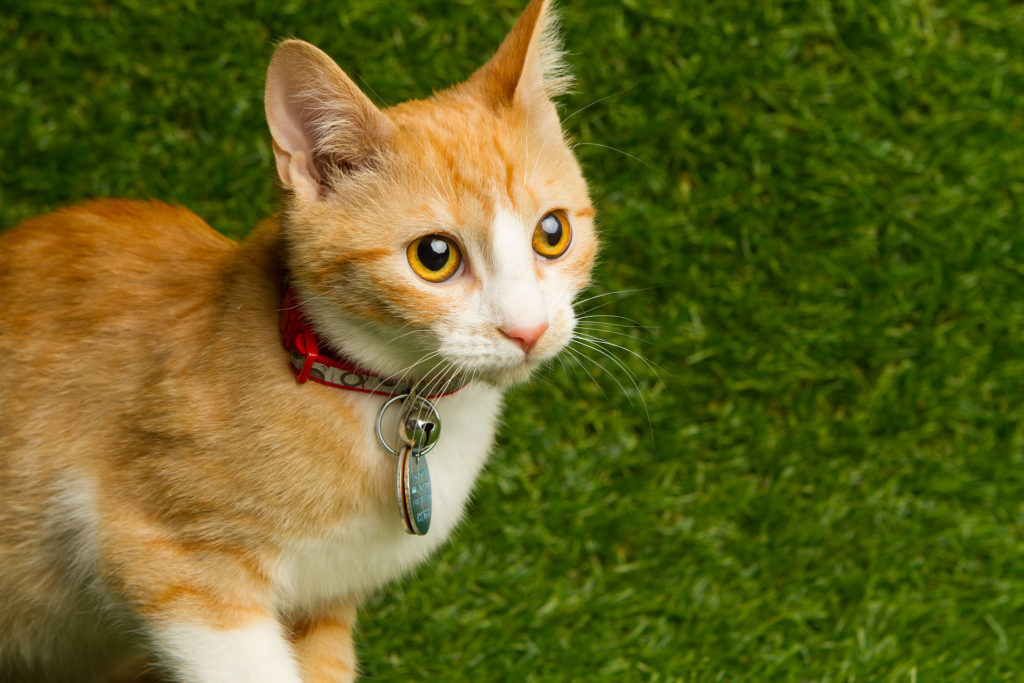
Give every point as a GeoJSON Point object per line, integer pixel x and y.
{"type": "Point", "coordinates": [552, 235]}
{"type": "Point", "coordinates": [434, 258]}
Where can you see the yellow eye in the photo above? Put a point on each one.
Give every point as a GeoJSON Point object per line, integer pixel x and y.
{"type": "Point", "coordinates": [434, 258]}
{"type": "Point", "coordinates": [552, 235]}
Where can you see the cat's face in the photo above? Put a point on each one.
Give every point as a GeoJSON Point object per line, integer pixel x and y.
{"type": "Point", "coordinates": [452, 238]}
{"type": "Point", "coordinates": [466, 244]}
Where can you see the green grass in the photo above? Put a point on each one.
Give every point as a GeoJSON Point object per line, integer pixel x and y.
{"type": "Point", "coordinates": [824, 223]}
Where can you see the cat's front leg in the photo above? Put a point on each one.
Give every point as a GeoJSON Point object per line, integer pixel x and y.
{"type": "Point", "coordinates": [206, 607]}
{"type": "Point", "coordinates": [323, 643]}
{"type": "Point", "coordinates": [256, 652]}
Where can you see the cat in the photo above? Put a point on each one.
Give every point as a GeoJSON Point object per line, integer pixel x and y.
{"type": "Point", "coordinates": [172, 490]}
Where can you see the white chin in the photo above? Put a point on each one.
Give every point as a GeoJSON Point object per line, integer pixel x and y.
{"type": "Point", "coordinates": [508, 376]}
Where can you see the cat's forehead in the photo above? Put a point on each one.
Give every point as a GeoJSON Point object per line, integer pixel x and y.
{"type": "Point", "coordinates": [477, 162]}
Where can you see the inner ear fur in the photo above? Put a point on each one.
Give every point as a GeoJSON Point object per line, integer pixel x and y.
{"type": "Point", "coordinates": [321, 123]}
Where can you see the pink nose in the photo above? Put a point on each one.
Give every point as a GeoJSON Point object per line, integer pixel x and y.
{"type": "Point", "coordinates": [526, 337]}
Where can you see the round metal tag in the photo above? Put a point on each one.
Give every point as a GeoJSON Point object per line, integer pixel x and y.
{"type": "Point", "coordinates": [415, 497]}
{"type": "Point", "coordinates": [400, 476]}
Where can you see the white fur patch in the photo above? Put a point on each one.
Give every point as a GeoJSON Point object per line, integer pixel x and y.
{"type": "Point", "coordinates": [254, 654]}
{"type": "Point", "coordinates": [371, 548]}
{"type": "Point", "coordinates": [515, 296]}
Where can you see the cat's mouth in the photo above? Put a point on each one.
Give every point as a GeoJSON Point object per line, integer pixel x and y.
{"type": "Point", "coordinates": [492, 363]}
{"type": "Point", "coordinates": [460, 371]}
{"type": "Point", "coordinates": [502, 372]}
{"type": "Point", "coordinates": [454, 360]}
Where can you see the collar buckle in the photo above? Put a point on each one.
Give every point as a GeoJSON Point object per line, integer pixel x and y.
{"type": "Point", "coordinates": [297, 336]}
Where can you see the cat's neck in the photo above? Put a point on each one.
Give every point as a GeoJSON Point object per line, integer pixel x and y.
{"type": "Point", "coordinates": [254, 285]}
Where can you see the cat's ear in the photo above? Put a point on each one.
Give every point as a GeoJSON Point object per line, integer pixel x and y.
{"type": "Point", "coordinates": [322, 125]}
{"type": "Point", "coordinates": [527, 70]}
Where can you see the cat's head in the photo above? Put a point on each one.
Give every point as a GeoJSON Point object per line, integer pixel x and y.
{"type": "Point", "coordinates": [446, 235]}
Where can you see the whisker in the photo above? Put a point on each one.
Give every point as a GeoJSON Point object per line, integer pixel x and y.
{"type": "Point", "coordinates": [574, 355]}
{"type": "Point", "coordinates": [611, 293]}
{"type": "Point", "coordinates": [604, 330]}
{"type": "Point", "coordinates": [370, 88]}
{"type": "Point", "coordinates": [431, 379]}
{"type": "Point", "coordinates": [453, 375]}
{"type": "Point", "coordinates": [606, 370]}
{"type": "Point", "coordinates": [605, 320]}
{"type": "Point", "coordinates": [300, 303]}
{"type": "Point", "coordinates": [629, 374]}
{"type": "Point", "coordinates": [597, 101]}
{"type": "Point", "coordinates": [441, 192]}
{"type": "Point", "coordinates": [651, 365]}
{"type": "Point", "coordinates": [403, 374]}
{"type": "Point", "coordinates": [586, 312]}
{"type": "Point", "coordinates": [418, 330]}
{"type": "Point", "coordinates": [614, 328]}
{"type": "Point", "coordinates": [446, 181]}
{"type": "Point", "coordinates": [614, 149]}
{"type": "Point", "coordinates": [560, 130]}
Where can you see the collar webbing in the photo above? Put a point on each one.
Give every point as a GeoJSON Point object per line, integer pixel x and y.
{"type": "Point", "coordinates": [309, 363]}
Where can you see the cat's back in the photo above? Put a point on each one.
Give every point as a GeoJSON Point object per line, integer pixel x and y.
{"type": "Point", "coordinates": [90, 242]}
{"type": "Point", "coordinates": [105, 271]}
{"type": "Point", "coordinates": [95, 294]}
{"type": "Point", "coordinates": [100, 303]}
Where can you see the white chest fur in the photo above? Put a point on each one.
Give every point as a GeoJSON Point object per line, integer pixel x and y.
{"type": "Point", "coordinates": [372, 548]}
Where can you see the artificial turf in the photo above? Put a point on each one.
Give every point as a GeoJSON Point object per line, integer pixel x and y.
{"type": "Point", "coordinates": [815, 226]}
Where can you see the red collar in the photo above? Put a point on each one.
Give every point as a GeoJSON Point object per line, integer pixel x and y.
{"type": "Point", "coordinates": [308, 363]}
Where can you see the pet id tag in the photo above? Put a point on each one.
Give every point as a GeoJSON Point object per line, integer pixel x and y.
{"type": "Point", "coordinates": [419, 427]}
{"type": "Point", "coordinates": [414, 491]}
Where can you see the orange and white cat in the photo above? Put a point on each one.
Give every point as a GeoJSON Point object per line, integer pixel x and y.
{"type": "Point", "coordinates": [168, 490]}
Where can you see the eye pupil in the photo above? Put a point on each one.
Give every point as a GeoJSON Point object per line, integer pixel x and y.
{"type": "Point", "coordinates": [552, 228]}
{"type": "Point", "coordinates": [433, 253]}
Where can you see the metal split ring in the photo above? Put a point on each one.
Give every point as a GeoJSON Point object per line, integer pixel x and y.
{"type": "Point", "coordinates": [432, 433]}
